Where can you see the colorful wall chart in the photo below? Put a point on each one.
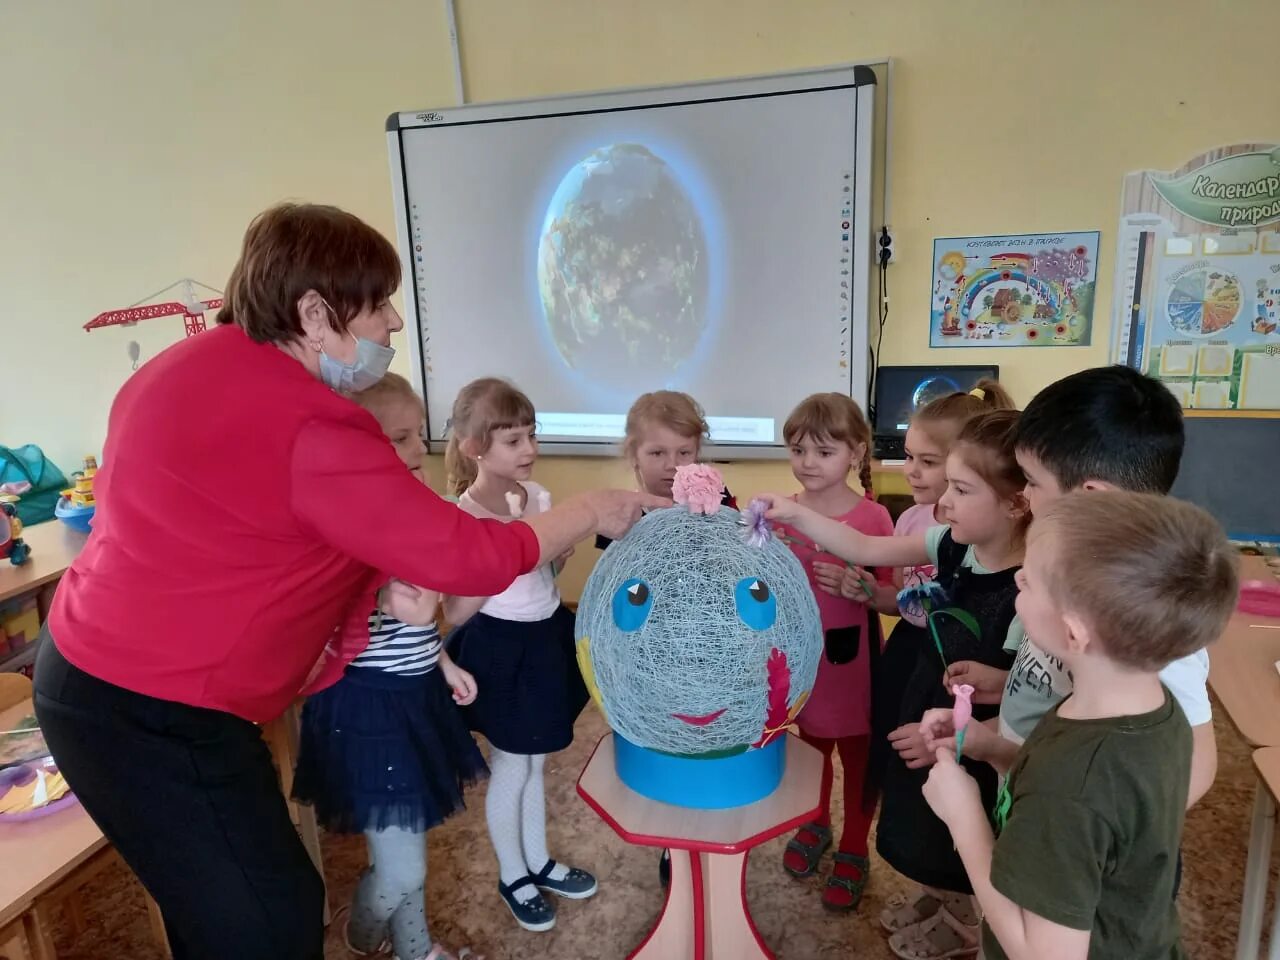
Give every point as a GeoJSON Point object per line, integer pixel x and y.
{"type": "Point", "coordinates": [1031, 290]}
{"type": "Point", "coordinates": [1197, 300]}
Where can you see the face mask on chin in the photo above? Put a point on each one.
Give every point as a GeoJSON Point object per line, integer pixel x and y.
{"type": "Point", "coordinates": [370, 365]}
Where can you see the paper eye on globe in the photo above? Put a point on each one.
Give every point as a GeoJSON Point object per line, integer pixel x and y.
{"type": "Point", "coordinates": [756, 603]}
{"type": "Point", "coordinates": [631, 605]}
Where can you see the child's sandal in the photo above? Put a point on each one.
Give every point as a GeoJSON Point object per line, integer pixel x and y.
{"type": "Point", "coordinates": [342, 922]}
{"type": "Point", "coordinates": [844, 893]}
{"type": "Point", "coordinates": [941, 937]}
{"type": "Point", "coordinates": [902, 911]}
{"type": "Point", "coordinates": [810, 853]}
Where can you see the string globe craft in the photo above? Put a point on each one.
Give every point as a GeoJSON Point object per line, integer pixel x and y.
{"type": "Point", "coordinates": [698, 637]}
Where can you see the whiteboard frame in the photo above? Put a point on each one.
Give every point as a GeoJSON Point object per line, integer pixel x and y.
{"type": "Point", "coordinates": [859, 77]}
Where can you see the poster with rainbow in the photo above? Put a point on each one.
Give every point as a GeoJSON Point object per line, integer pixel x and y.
{"type": "Point", "coordinates": [1029, 290]}
{"type": "Point", "coordinates": [1197, 294]}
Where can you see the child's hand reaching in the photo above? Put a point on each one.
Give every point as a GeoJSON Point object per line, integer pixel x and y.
{"type": "Point", "coordinates": [987, 682]}
{"type": "Point", "coordinates": [781, 508]}
{"type": "Point", "coordinates": [460, 682]}
{"type": "Point", "coordinates": [841, 580]}
{"type": "Point", "coordinates": [952, 794]}
{"type": "Point", "coordinates": [409, 604]}
{"type": "Point", "coordinates": [908, 740]}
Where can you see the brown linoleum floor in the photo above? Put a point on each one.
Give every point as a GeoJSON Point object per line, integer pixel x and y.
{"type": "Point", "coordinates": [465, 907]}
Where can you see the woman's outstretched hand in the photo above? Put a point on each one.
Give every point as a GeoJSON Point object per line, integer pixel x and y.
{"type": "Point", "coordinates": [617, 511]}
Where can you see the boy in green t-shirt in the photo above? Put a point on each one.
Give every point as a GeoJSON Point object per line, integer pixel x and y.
{"type": "Point", "coordinates": [1116, 585]}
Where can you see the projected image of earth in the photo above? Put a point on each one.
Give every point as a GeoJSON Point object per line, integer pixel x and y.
{"type": "Point", "coordinates": [622, 267]}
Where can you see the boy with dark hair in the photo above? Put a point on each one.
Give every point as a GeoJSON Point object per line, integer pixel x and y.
{"type": "Point", "coordinates": [1116, 585]}
{"type": "Point", "coordinates": [1108, 428]}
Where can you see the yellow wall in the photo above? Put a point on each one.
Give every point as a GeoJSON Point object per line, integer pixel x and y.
{"type": "Point", "coordinates": [137, 138]}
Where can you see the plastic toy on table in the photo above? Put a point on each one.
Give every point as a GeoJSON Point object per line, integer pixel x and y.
{"type": "Point", "coordinates": [11, 543]}
{"type": "Point", "coordinates": [77, 506]}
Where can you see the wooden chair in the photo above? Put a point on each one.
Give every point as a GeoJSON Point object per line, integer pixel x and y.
{"type": "Point", "coordinates": [14, 688]}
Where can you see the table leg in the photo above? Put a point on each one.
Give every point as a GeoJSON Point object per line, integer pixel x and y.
{"type": "Point", "coordinates": [1256, 873]}
{"type": "Point", "coordinates": [39, 935]}
{"type": "Point", "coordinates": [705, 916]}
{"type": "Point", "coordinates": [1273, 951]}
{"type": "Point", "coordinates": [672, 936]}
{"type": "Point", "coordinates": [14, 944]}
{"type": "Point", "coordinates": [731, 933]}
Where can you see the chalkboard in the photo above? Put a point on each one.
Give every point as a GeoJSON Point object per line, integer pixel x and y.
{"type": "Point", "coordinates": [1231, 467]}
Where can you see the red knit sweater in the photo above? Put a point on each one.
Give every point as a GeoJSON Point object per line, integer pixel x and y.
{"type": "Point", "coordinates": [246, 515]}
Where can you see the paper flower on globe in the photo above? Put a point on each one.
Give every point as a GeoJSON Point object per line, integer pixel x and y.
{"type": "Point", "coordinates": [699, 488]}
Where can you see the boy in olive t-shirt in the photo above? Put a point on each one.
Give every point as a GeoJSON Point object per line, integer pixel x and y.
{"type": "Point", "coordinates": [1117, 585]}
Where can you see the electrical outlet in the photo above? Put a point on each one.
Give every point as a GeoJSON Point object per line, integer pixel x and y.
{"type": "Point", "coordinates": [884, 247]}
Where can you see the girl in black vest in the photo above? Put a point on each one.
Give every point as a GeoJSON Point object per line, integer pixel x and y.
{"type": "Point", "coordinates": [972, 618]}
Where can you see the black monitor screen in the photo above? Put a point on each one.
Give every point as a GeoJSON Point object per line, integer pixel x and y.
{"type": "Point", "coordinates": [901, 391]}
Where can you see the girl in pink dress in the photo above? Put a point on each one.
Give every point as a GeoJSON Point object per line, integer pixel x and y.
{"type": "Point", "coordinates": [829, 440]}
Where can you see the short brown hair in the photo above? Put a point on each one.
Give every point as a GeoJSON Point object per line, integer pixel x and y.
{"type": "Point", "coordinates": [482, 406]}
{"type": "Point", "coordinates": [943, 418]}
{"type": "Point", "coordinates": [295, 247]}
{"type": "Point", "coordinates": [678, 412]}
{"type": "Point", "coordinates": [1155, 577]}
{"type": "Point", "coordinates": [391, 389]}
{"type": "Point", "coordinates": [832, 416]}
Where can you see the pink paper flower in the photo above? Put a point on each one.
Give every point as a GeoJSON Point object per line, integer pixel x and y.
{"type": "Point", "coordinates": [963, 710]}
{"type": "Point", "coordinates": [698, 487]}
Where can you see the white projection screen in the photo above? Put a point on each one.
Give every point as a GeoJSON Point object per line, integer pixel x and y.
{"type": "Point", "coordinates": [713, 238]}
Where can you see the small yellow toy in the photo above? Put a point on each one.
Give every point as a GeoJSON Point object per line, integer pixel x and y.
{"type": "Point", "coordinates": [81, 493]}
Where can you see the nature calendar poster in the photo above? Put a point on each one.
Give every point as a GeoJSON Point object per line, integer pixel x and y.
{"type": "Point", "coordinates": [1197, 293]}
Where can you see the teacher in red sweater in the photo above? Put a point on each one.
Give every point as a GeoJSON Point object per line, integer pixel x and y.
{"type": "Point", "coordinates": [248, 512]}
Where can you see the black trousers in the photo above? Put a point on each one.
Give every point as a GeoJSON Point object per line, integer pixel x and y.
{"type": "Point", "coordinates": [189, 798]}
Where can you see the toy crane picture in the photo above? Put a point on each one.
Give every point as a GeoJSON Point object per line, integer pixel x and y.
{"type": "Point", "coordinates": [191, 309]}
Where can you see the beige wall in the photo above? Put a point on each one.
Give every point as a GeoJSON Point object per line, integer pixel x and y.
{"type": "Point", "coordinates": [137, 139]}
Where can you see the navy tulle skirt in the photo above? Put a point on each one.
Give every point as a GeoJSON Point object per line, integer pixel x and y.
{"type": "Point", "coordinates": [381, 750]}
{"type": "Point", "coordinates": [530, 688]}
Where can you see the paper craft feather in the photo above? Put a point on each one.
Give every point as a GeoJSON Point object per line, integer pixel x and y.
{"type": "Point", "coordinates": [777, 717]}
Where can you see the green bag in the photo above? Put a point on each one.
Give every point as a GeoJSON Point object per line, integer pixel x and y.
{"type": "Point", "coordinates": [28, 463]}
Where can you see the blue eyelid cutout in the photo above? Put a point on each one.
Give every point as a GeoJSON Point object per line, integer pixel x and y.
{"type": "Point", "coordinates": [631, 605]}
{"type": "Point", "coordinates": [756, 603]}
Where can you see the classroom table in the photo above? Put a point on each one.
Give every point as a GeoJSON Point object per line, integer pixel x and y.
{"type": "Point", "coordinates": [54, 546]}
{"type": "Point", "coordinates": [38, 855]}
{"type": "Point", "coordinates": [1266, 762]}
{"type": "Point", "coordinates": [705, 916]}
{"type": "Point", "coordinates": [1243, 675]}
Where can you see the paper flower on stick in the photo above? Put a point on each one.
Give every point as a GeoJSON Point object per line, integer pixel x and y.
{"type": "Point", "coordinates": [928, 600]}
{"type": "Point", "coordinates": [699, 488]}
{"type": "Point", "coordinates": [962, 713]}
{"type": "Point", "coordinates": [758, 531]}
